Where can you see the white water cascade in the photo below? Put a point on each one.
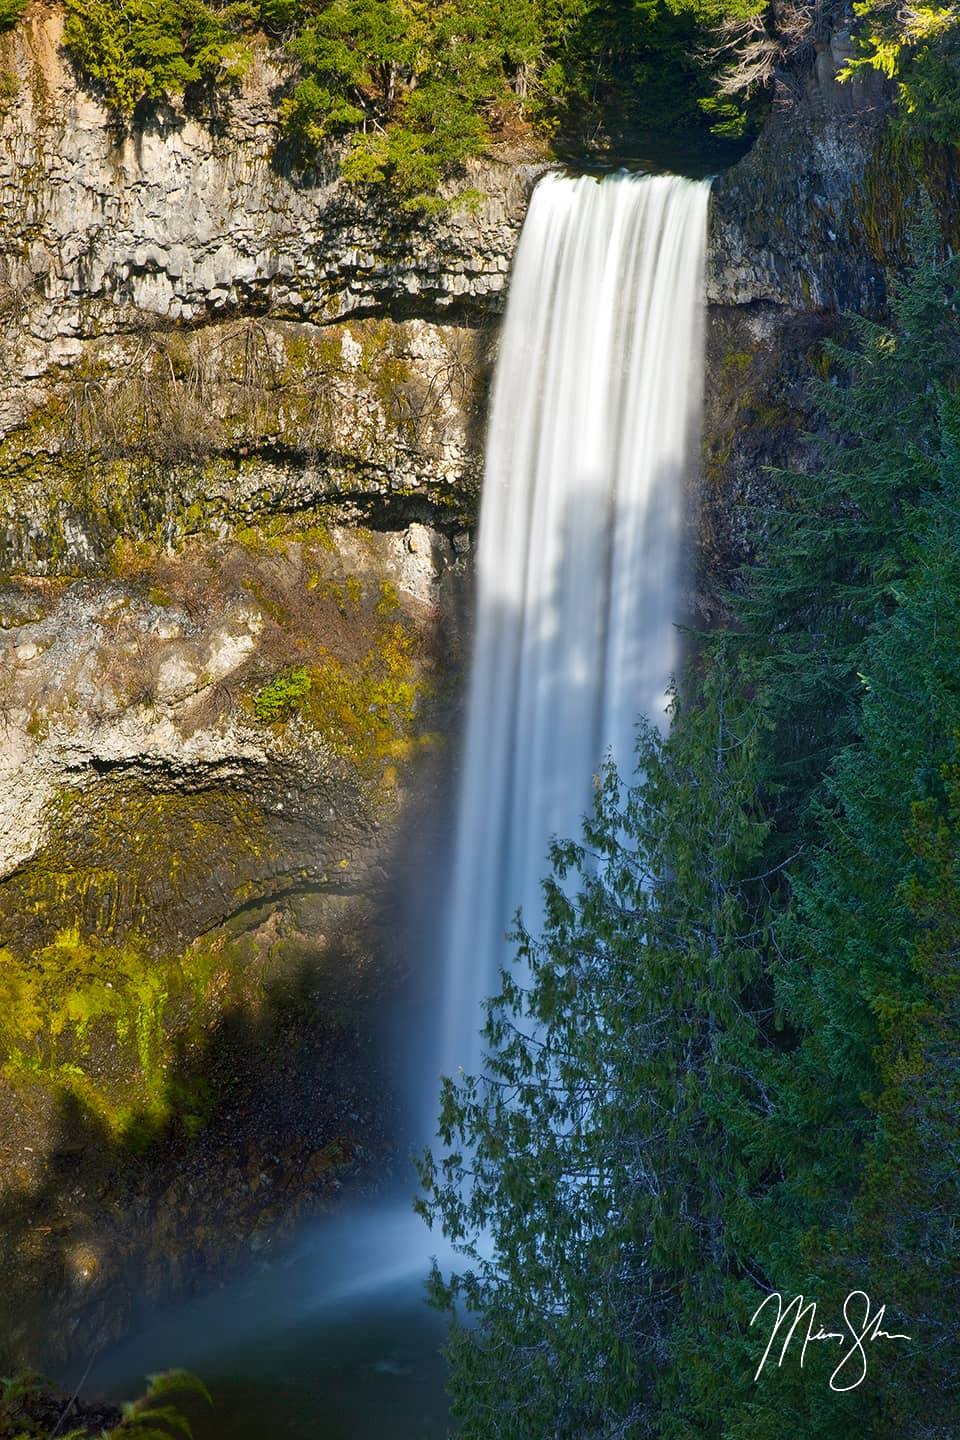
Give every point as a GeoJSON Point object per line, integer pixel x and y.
{"type": "Point", "coordinates": [596, 406]}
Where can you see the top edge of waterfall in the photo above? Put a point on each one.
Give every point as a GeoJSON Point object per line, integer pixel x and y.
{"type": "Point", "coordinates": [585, 178]}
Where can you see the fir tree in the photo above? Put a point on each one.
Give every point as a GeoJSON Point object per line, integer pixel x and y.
{"type": "Point", "coordinates": [853, 1182]}
{"type": "Point", "coordinates": [872, 1191]}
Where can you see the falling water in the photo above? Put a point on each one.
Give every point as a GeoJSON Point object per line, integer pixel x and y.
{"type": "Point", "coordinates": [596, 401]}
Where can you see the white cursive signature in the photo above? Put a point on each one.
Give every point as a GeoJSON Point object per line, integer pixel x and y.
{"type": "Point", "coordinates": [861, 1334]}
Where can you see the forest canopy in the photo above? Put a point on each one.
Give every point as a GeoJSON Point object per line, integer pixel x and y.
{"type": "Point", "coordinates": [415, 87]}
{"type": "Point", "coordinates": [412, 88]}
{"type": "Point", "coordinates": [409, 89]}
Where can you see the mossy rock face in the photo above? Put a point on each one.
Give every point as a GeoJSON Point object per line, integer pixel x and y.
{"type": "Point", "coordinates": [166, 1117]}
{"type": "Point", "coordinates": [240, 454]}
{"type": "Point", "coordinates": [105, 1016]}
{"type": "Point", "coordinates": [210, 751]}
{"type": "Point", "coordinates": [171, 434]}
{"type": "Point", "coordinates": [191, 339]}
{"type": "Point", "coordinates": [120, 857]}
{"type": "Point", "coordinates": [758, 417]}
{"type": "Point", "coordinates": [783, 224]}
{"type": "Point", "coordinates": [901, 172]}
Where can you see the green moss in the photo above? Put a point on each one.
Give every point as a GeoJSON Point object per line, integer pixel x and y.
{"type": "Point", "coordinates": [276, 534]}
{"type": "Point", "coordinates": [737, 362]}
{"type": "Point", "coordinates": [147, 452]}
{"type": "Point", "coordinates": [115, 857]}
{"type": "Point", "coordinates": [880, 203]}
{"type": "Point", "coordinates": [366, 709]}
{"type": "Point", "coordinates": [37, 727]}
{"type": "Point", "coordinates": [389, 600]}
{"type": "Point", "coordinates": [9, 89]}
{"type": "Point", "coordinates": [277, 702]}
{"type": "Point", "coordinates": [900, 168]}
{"type": "Point", "coordinates": [97, 995]}
{"type": "Point", "coordinates": [106, 1022]}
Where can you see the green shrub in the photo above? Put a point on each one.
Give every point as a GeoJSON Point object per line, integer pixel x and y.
{"type": "Point", "coordinates": [417, 88]}
{"type": "Point", "coordinates": [142, 49]}
{"type": "Point", "coordinates": [919, 48]}
{"type": "Point", "coordinates": [27, 1401]}
{"type": "Point", "coordinates": [282, 697]}
{"type": "Point", "coordinates": [10, 12]}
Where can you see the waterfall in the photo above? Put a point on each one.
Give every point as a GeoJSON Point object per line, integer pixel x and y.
{"type": "Point", "coordinates": [595, 407]}
{"type": "Point", "coordinates": [596, 403]}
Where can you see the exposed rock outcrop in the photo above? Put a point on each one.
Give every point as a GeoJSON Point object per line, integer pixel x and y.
{"type": "Point", "coordinates": [191, 218]}
{"type": "Point", "coordinates": [167, 299]}
{"type": "Point", "coordinates": [787, 227]}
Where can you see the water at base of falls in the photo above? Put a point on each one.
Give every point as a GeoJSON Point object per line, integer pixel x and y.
{"type": "Point", "coordinates": [595, 412]}
{"type": "Point", "coordinates": [330, 1339]}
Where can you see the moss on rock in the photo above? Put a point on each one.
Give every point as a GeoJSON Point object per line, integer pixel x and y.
{"type": "Point", "coordinates": [160, 436]}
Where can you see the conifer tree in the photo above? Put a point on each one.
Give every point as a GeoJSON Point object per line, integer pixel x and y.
{"type": "Point", "coordinates": [871, 1192]}
{"type": "Point", "coordinates": [854, 1181]}
{"type": "Point", "coordinates": [584, 1175]}
{"type": "Point", "coordinates": [838, 540]}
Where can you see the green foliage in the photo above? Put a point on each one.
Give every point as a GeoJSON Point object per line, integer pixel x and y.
{"type": "Point", "coordinates": [839, 541]}
{"type": "Point", "coordinates": [413, 82]}
{"type": "Point", "coordinates": [854, 1175]}
{"type": "Point", "coordinates": [29, 1410]}
{"type": "Point", "coordinates": [419, 87]}
{"type": "Point", "coordinates": [282, 697]}
{"type": "Point", "coordinates": [871, 981]}
{"type": "Point", "coordinates": [10, 12]}
{"type": "Point", "coordinates": [918, 46]}
{"type": "Point", "coordinates": [415, 88]}
{"type": "Point", "coordinates": [142, 49]}
{"type": "Point", "coordinates": [148, 1420]}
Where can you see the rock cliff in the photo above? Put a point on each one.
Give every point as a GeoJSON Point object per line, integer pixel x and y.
{"type": "Point", "coordinates": [239, 460]}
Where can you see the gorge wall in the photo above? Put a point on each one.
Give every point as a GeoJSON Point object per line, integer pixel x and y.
{"type": "Point", "coordinates": [241, 417]}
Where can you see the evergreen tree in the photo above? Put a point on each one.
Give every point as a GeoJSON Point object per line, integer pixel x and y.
{"type": "Point", "coordinates": [871, 1193]}
{"type": "Point", "coordinates": [138, 50]}
{"type": "Point", "coordinates": [838, 542]}
{"type": "Point", "coordinates": [854, 1182]}
{"type": "Point", "coordinates": [574, 1174]}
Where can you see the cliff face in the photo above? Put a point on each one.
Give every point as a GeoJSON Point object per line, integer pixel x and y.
{"type": "Point", "coordinates": [154, 290]}
{"type": "Point", "coordinates": [788, 223]}
{"type": "Point", "coordinates": [240, 430]}
{"type": "Point", "coordinates": [239, 460]}
{"type": "Point", "coordinates": [197, 347]}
